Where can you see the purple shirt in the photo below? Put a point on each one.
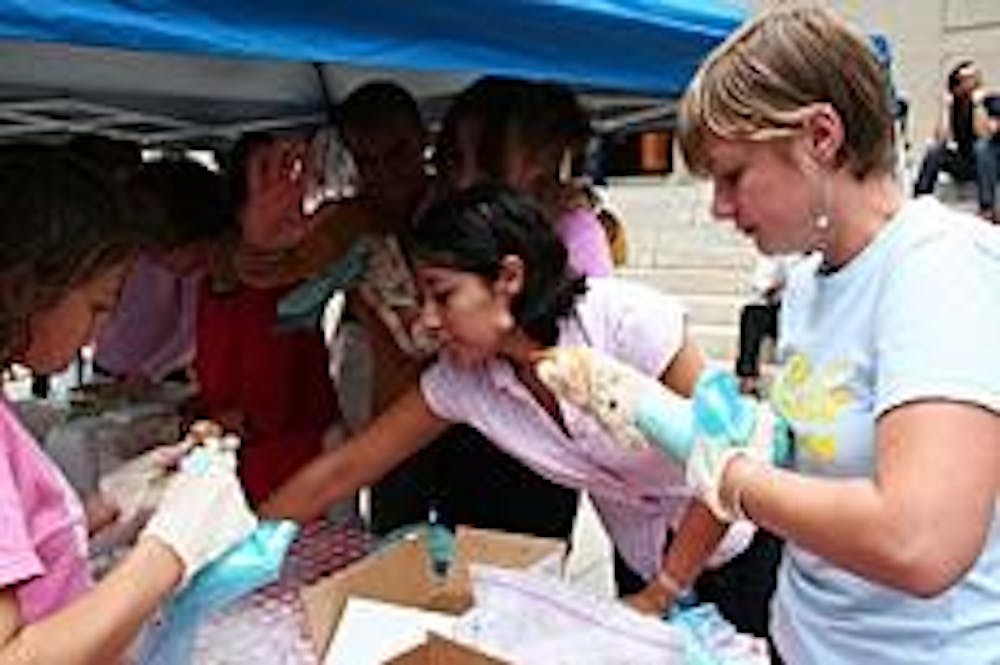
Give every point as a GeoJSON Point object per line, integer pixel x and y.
{"type": "Point", "coordinates": [638, 494]}
{"type": "Point", "coordinates": [43, 546]}
{"type": "Point", "coordinates": [586, 243]}
{"type": "Point", "coordinates": [152, 330]}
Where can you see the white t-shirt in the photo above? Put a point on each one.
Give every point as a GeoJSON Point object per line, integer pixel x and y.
{"type": "Point", "coordinates": [915, 315]}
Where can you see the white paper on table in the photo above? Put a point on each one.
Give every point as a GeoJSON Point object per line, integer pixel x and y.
{"type": "Point", "coordinates": [371, 632]}
{"type": "Point", "coordinates": [526, 618]}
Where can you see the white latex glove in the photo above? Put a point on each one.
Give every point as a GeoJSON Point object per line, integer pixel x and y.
{"type": "Point", "coordinates": [203, 511]}
{"type": "Point", "coordinates": [709, 459]}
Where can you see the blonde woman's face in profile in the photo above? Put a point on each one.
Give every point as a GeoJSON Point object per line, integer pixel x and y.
{"type": "Point", "coordinates": [759, 186]}
{"type": "Point", "coordinates": [57, 333]}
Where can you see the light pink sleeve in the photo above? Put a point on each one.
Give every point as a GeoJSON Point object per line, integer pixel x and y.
{"type": "Point", "coordinates": [586, 243]}
{"type": "Point", "coordinates": [18, 559]}
{"type": "Point", "coordinates": [441, 386]}
{"type": "Point", "coordinates": [644, 327]}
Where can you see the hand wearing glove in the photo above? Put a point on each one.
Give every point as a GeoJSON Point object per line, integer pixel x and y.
{"type": "Point", "coordinates": [203, 511]}
{"type": "Point", "coordinates": [729, 425]}
{"type": "Point", "coordinates": [703, 433]}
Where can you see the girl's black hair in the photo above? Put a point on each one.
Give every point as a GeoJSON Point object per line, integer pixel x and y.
{"type": "Point", "coordinates": [473, 230]}
{"type": "Point", "coordinates": [185, 200]}
{"type": "Point", "coordinates": [62, 222]}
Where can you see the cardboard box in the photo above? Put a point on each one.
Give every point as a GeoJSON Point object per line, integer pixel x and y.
{"type": "Point", "coordinates": [442, 651]}
{"type": "Point", "coordinates": [401, 574]}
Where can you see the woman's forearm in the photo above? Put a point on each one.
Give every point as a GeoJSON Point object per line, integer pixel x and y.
{"type": "Point", "coordinates": [698, 535]}
{"type": "Point", "coordinates": [917, 524]}
{"type": "Point", "coordinates": [405, 427]}
{"type": "Point", "coordinates": [306, 494]}
{"type": "Point", "coordinates": [100, 625]}
{"type": "Point", "coordinates": [849, 522]}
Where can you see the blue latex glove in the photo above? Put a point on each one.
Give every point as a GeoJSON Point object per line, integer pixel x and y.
{"type": "Point", "coordinates": [703, 433]}
{"type": "Point", "coordinates": [698, 624]}
{"type": "Point", "coordinates": [302, 307]}
{"type": "Point", "coordinates": [638, 410]}
{"type": "Point", "coordinates": [250, 565]}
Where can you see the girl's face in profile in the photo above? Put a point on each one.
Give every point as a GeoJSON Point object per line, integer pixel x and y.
{"type": "Point", "coordinates": [55, 334]}
{"type": "Point", "coordinates": [466, 313]}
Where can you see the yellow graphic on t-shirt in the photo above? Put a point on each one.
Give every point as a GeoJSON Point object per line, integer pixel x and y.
{"type": "Point", "coordinates": [810, 396]}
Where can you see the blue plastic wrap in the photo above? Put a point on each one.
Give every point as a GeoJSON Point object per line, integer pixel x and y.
{"type": "Point", "coordinates": [717, 411]}
{"type": "Point", "coordinates": [244, 568]}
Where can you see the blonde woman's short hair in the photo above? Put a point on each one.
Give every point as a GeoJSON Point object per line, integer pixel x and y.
{"type": "Point", "coordinates": [760, 82]}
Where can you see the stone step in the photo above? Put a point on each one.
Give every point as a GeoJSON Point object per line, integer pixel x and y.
{"type": "Point", "coordinates": [670, 255]}
{"type": "Point", "coordinates": [713, 309]}
{"type": "Point", "coordinates": [719, 342]}
{"type": "Point", "coordinates": [688, 280]}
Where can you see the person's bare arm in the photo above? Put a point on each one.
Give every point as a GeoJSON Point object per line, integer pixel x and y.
{"type": "Point", "coordinates": [697, 537]}
{"type": "Point", "coordinates": [685, 367]}
{"type": "Point", "coordinates": [405, 427]}
{"type": "Point", "coordinates": [97, 627]}
{"type": "Point", "coordinates": [918, 525]}
{"type": "Point", "coordinates": [699, 532]}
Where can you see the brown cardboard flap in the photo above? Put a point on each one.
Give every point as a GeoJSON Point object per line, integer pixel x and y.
{"type": "Point", "coordinates": [394, 574]}
{"type": "Point", "coordinates": [438, 650]}
{"type": "Point", "coordinates": [497, 548]}
{"type": "Point", "coordinates": [401, 573]}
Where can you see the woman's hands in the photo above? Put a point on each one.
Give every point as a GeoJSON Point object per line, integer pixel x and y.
{"type": "Point", "coordinates": [203, 511]}
{"type": "Point", "coordinates": [703, 433]}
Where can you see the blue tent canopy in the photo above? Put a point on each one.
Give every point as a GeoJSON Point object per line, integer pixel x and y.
{"type": "Point", "coordinates": [164, 70]}
{"type": "Point", "coordinates": [640, 45]}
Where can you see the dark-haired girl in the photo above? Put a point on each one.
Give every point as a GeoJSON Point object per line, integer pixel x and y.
{"type": "Point", "coordinates": [65, 248]}
{"type": "Point", "coordinates": [496, 290]}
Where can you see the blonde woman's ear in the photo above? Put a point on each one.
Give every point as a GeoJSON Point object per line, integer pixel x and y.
{"type": "Point", "coordinates": [824, 130]}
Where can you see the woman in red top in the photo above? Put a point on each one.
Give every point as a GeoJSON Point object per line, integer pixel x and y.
{"type": "Point", "coordinates": [270, 385]}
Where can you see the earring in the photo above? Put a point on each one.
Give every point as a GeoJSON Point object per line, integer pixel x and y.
{"type": "Point", "coordinates": [822, 221]}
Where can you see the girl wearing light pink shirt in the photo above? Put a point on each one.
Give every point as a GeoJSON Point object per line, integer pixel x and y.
{"type": "Point", "coordinates": [496, 291]}
{"type": "Point", "coordinates": [66, 245]}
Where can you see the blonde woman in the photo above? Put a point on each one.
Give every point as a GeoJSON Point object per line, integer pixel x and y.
{"type": "Point", "coordinates": [891, 376]}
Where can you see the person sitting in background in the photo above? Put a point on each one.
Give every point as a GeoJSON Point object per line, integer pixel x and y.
{"type": "Point", "coordinates": [759, 318]}
{"type": "Point", "coordinates": [967, 138]}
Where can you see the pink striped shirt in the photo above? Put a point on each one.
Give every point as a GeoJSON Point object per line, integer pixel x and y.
{"type": "Point", "coordinates": [638, 494]}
